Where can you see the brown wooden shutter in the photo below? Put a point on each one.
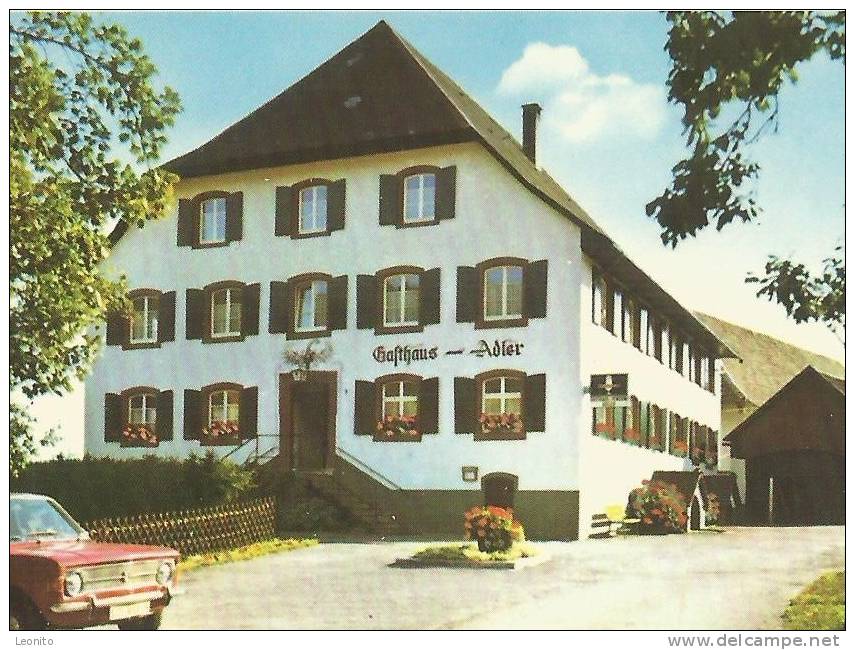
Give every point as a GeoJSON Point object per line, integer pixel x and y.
{"type": "Point", "coordinates": [188, 225]}
{"type": "Point", "coordinates": [609, 297]}
{"type": "Point", "coordinates": [711, 374]}
{"type": "Point", "coordinates": [366, 301]}
{"type": "Point", "coordinates": [644, 423]}
{"type": "Point", "coordinates": [249, 299]}
{"type": "Point", "coordinates": [446, 185]}
{"type": "Point", "coordinates": [364, 417]}
{"type": "Point", "coordinates": [234, 216]}
{"type": "Point", "coordinates": [290, 309]}
{"type": "Point", "coordinates": [192, 414]}
{"type": "Point", "coordinates": [535, 403]}
{"type": "Point", "coordinates": [535, 289]}
{"type": "Point", "coordinates": [248, 414]}
{"type": "Point", "coordinates": [429, 293]}
{"type": "Point", "coordinates": [166, 317]}
{"type": "Point", "coordinates": [195, 313]}
{"type": "Point", "coordinates": [284, 208]}
{"type": "Point", "coordinates": [337, 297]}
{"type": "Point", "coordinates": [467, 294]}
{"type": "Point", "coordinates": [391, 200]}
{"type": "Point", "coordinates": [429, 405]}
{"type": "Point", "coordinates": [636, 324]}
{"type": "Point", "coordinates": [335, 205]}
{"type": "Point", "coordinates": [465, 405]}
{"type": "Point", "coordinates": [118, 328]}
{"type": "Point", "coordinates": [163, 423]}
{"type": "Point", "coordinates": [277, 316]}
{"type": "Point", "coordinates": [113, 420]}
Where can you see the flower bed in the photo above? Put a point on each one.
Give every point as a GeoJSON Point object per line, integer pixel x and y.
{"type": "Point", "coordinates": [397, 428]}
{"type": "Point", "coordinates": [138, 436]}
{"type": "Point", "coordinates": [659, 507]}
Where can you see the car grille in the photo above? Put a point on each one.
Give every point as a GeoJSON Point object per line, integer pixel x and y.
{"type": "Point", "coordinates": [138, 573]}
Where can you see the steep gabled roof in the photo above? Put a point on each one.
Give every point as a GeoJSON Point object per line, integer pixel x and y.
{"type": "Point", "coordinates": [808, 379]}
{"type": "Point", "coordinates": [765, 364]}
{"type": "Point", "coordinates": [686, 481]}
{"type": "Point", "coordinates": [379, 94]}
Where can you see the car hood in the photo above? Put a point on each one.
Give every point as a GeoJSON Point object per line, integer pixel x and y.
{"type": "Point", "coordinates": [70, 553]}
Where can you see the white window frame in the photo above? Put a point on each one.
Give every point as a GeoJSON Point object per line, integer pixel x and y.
{"type": "Point", "coordinates": [598, 299]}
{"type": "Point", "coordinates": [216, 201]}
{"type": "Point", "coordinates": [314, 190]}
{"type": "Point", "coordinates": [311, 286]}
{"type": "Point", "coordinates": [503, 395]}
{"type": "Point", "coordinates": [504, 315]}
{"type": "Point", "coordinates": [402, 278]}
{"type": "Point", "coordinates": [146, 399]}
{"type": "Point", "coordinates": [229, 331]}
{"type": "Point", "coordinates": [148, 337]}
{"type": "Point", "coordinates": [422, 217]}
{"type": "Point", "coordinates": [400, 399]}
{"type": "Point", "coordinates": [223, 405]}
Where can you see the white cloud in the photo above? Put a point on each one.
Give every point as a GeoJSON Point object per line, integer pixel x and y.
{"type": "Point", "coordinates": [579, 104]}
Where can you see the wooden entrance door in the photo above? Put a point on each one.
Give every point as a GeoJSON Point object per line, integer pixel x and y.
{"type": "Point", "coordinates": [307, 414]}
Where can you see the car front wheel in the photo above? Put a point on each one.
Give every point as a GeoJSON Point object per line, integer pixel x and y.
{"type": "Point", "coordinates": [145, 623]}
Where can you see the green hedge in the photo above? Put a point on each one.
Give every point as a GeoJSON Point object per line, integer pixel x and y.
{"type": "Point", "coordinates": [94, 488]}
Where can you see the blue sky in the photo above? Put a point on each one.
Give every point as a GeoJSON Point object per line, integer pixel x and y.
{"type": "Point", "coordinates": [607, 133]}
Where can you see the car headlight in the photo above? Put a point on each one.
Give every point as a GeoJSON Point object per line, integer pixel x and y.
{"type": "Point", "coordinates": [164, 573]}
{"type": "Point", "coordinates": [73, 584]}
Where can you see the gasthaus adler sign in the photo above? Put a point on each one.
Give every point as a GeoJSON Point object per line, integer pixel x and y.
{"type": "Point", "coordinates": [406, 354]}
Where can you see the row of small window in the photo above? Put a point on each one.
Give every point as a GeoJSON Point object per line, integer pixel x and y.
{"type": "Point", "coordinates": [651, 426]}
{"type": "Point", "coordinates": [395, 300]}
{"type": "Point", "coordinates": [416, 196]}
{"type": "Point", "coordinates": [218, 414]}
{"type": "Point", "coordinates": [617, 312]}
{"type": "Point", "coordinates": [495, 405]}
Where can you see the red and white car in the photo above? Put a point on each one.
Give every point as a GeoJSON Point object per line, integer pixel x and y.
{"type": "Point", "coordinates": [59, 578]}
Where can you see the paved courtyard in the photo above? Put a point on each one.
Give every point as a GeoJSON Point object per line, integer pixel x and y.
{"type": "Point", "coordinates": [740, 579]}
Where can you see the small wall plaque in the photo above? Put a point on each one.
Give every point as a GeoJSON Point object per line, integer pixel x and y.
{"type": "Point", "coordinates": [470, 473]}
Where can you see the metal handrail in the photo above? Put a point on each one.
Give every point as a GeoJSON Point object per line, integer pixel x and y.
{"type": "Point", "coordinates": [385, 481]}
{"type": "Point", "coordinates": [255, 440]}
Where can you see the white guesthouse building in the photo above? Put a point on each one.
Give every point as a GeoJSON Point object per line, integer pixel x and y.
{"type": "Point", "coordinates": [474, 311]}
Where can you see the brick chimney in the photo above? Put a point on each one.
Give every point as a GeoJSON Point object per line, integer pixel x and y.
{"type": "Point", "coordinates": [531, 114]}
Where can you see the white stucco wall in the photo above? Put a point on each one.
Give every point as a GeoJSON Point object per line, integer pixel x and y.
{"type": "Point", "coordinates": [495, 216]}
{"type": "Point", "coordinates": [609, 469]}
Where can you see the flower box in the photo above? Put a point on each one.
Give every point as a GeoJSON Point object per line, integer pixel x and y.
{"type": "Point", "coordinates": [679, 447]}
{"type": "Point", "coordinates": [632, 436]}
{"type": "Point", "coordinates": [505, 426]}
{"type": "Point", "coordinates": [394, 428]}
{"type": "Point", "coordinates": [220, 433]}
{"type": "Point", "coordinates": [138, 436]}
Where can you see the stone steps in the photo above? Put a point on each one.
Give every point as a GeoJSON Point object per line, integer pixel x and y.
{"type": "Point", "coordinates": [376, 518]}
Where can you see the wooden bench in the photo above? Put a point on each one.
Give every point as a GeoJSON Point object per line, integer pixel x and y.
{"type": "Point", "coordinates": [607, 524]}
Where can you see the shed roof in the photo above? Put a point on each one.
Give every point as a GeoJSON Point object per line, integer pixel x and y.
{"type": "Point", "coordinates": [379, 94]}
{"type": "Point", "coordinates": [765, 364]}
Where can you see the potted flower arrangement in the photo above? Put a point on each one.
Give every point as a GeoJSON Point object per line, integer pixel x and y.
{"type": "Point", "coordinates": [606, 429]}
{"type": "Point", "coordinates": [221, 432]}
{"type": "Point", "coordinates": [138, 436]}
{"type": "Point", "coordinates": [398, 428]}
{"type": "Point", "coordinates": [659, 507]}
{"type": "Point", "coordinates": [504, 425]}
{"type": "Point", "coordinates": [494, 528]}
{"type": "Point", "coordinates": [302, 360]}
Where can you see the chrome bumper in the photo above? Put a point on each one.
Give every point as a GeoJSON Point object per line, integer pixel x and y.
{"type": "Point", "coordinates": [93, 602]}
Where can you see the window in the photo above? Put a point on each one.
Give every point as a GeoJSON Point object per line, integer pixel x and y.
{"type": "Point", "coordinates": [419, 198]}
{"type": "Point", "coordinates": [223, 407]}
{"type": "Point", "coordinates": [144, 320]}
{"type": "Point", "coordinates": [686, 362]}
{"type": "Point", "coordinates": [400, 399]}
{"type": "Point", "coordinates": [643, 333]}
{"type": "Point", "coordinates": [665, 334]}
{"type": "Point", "coordinates": [679, 437]}
{"type": "Point", "coordinates": [212, 224]}
{"type": "Point", "coordinates": [617, 312]}
{"type": "Point", "coordinates": [401, 295]}
{"type": "Point", "coordinates": [313, 209]}
{"type": "Point", "coordinates": [629, 322]}
{"type": "Point", "coordinates": [598, 300]}
{"type": "Point", "coordinates": [502, 395]}
{"type": "Point", "coordinates": [142, 409]}
{"type": "Point", "coordinates": [657, 433]}
{"type": "Point", "coordinates": [604, 419]}
{"type": "Point", "coordinates": [711, 374]}
{"type": "Point", "coordinates": [225, 313]}
{"type": "Point", "coordinates": [311, 312]}
{"type": "Point", "coordinates": [503, 291]}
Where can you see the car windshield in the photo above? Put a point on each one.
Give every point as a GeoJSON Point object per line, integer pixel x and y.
{"type": "Point", "coordinates": [39, 519]}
